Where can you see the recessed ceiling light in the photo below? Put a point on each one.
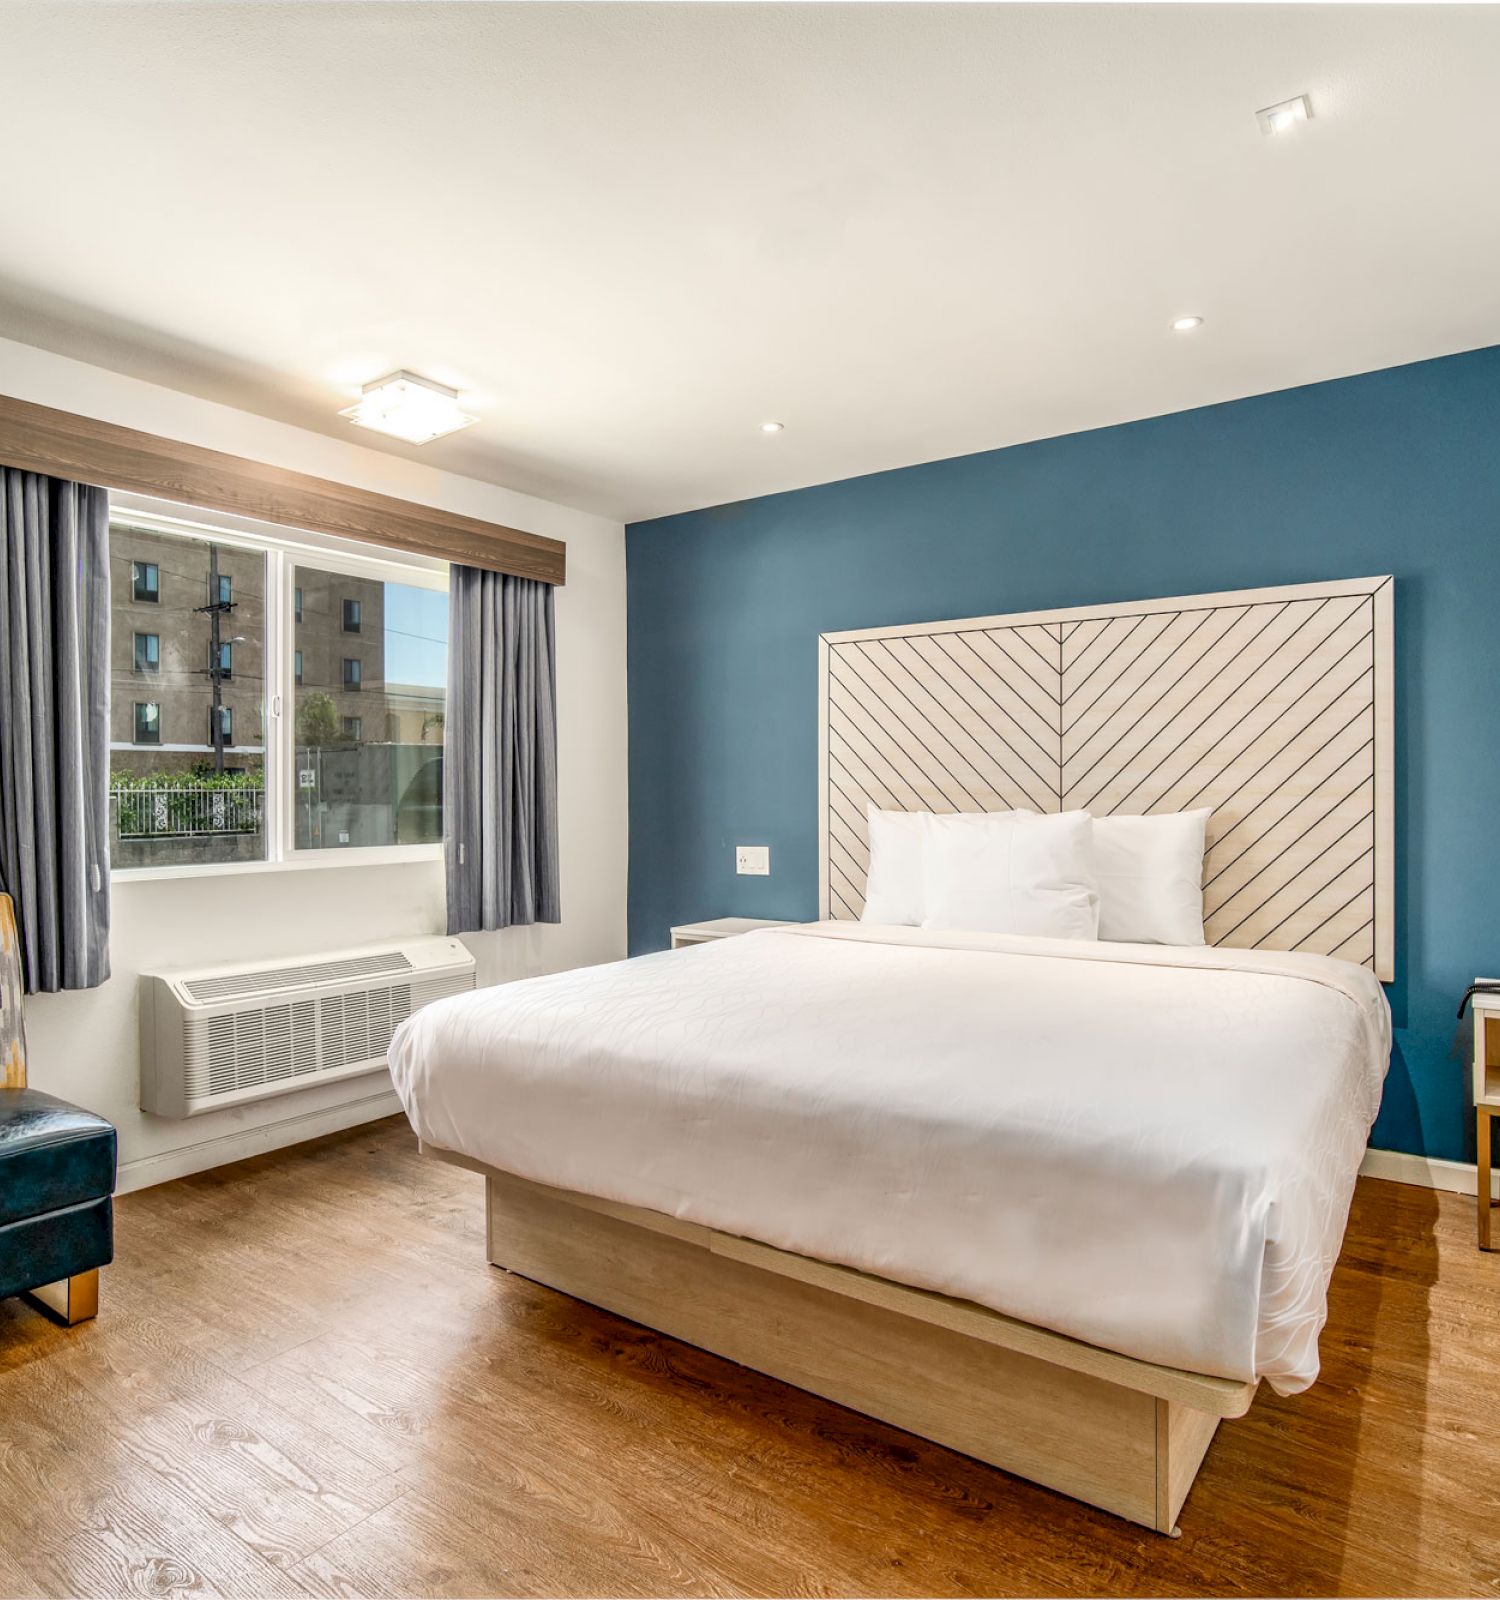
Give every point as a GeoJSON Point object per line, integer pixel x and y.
{"type": "Point", "coordinates": [772, 427]}
{"type": "Point", "coordinates": [1284, 117]}
{"type": "Point", "coordinates": [1186, 324]}
{"type": "Point", "coordinates": [409, 408]}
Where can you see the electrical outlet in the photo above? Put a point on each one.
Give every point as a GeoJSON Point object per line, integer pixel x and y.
{"type": "Point", "coordinates": [753, 860]}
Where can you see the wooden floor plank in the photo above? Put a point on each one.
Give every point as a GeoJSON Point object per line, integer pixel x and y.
{"type": "Point", "coordinates": [305, 1380]}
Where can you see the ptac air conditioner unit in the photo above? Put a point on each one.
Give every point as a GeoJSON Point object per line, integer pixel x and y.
{"type": "Point", "coordinates": [222, 1036]}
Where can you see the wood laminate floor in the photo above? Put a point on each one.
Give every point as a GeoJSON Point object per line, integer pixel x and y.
{"type": "Point", "coordinates": [306, 1381]}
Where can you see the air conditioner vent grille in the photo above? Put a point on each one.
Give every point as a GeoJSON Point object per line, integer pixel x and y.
{"type": "Point", "coordinates": [426, 990]}
{"type": "Point", "coordinates": [270, 1031]}
{"type": "Point", "coordinates": [233, 985]}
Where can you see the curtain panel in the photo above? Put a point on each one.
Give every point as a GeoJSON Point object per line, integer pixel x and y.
{"type": "Point", "coordinates": [500, 752]}
{"type": "Point", "coordinates": [54, 726]}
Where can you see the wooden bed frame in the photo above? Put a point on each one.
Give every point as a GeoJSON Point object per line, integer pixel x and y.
{"type": "Point", "coordinates": [1271, 707]}
{"type": "Point", "coordinates": [1121, 1434]}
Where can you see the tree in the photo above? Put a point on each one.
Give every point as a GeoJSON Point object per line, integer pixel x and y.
{"type": "Point", "coordinates": [317, 720]}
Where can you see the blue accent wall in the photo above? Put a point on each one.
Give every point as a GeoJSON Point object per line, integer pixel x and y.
{"type": "Point", "coordinates": [1395, 471]}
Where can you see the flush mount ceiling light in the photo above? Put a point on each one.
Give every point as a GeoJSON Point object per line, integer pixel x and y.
{"type": "Point", "coordinates": [1186, 324]}
{"type": "Point", "coordinates": [409, 408]}
{"type": "Point", "coordinates": [772, 427]}
{"type": "Point", "coordinates": [1284, 117]}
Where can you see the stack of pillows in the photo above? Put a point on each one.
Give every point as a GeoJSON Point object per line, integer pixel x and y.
{"type": "Point", "coordinates": [1067, 876]}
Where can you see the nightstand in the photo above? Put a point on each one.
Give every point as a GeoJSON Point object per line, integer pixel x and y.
{"type": "Point", "coordinates": [1486, 1097]}
{"type": "Point", "coordinates": [725, 928]}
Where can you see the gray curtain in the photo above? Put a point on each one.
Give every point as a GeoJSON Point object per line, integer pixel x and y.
{"type": "Point", "coordinates": [500, 753]}
{"type": "Point", "coordinates": [54, 725]}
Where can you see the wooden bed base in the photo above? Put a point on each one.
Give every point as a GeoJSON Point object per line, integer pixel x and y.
{"type": "Point", "coordinates": [1121, 1434]}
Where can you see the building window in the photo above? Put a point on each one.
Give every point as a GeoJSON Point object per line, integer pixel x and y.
{"type": "Point", "coordinates": [226, 725]}
{"type": "Point", "coordinates": [222, 594]}
{"type": "Point", "coordinates": [147, 722]}
{"type": "Point", "coordinates": [145, 582]}
{"type": "Point", "coordinates": [297, 603]}
{"type": "Point", "coordinates": [351, 616]}
{"type": "Point", "coordinates": [297, 663]}
{"type": "Point", "coordinates": [354, 728]}
{"type": "Point", "coordinates": [353, 672]}
{"type": "Point", "coordinates": [148, 652]}
{"type": "Point", "coordinates": [224, 667]}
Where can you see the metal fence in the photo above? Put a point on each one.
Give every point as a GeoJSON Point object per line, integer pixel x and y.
{"type": "Point", "coordinates": [185, 810]}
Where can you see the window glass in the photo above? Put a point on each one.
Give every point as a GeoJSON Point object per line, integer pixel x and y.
{"type": "Point", "coordinates": [351, 616]}
{"type": "Point", "coordinates": [297, 661]}
{"type": "Point", "coordinates": [368, 763]}
{"type": "Point", "coordinates": [178, 795]}
{"type": "Point", "coordinates": [297, 603]}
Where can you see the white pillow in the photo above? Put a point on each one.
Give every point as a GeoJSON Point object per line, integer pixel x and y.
{"type": "Point", "coordinates": [1012, 872]}
{"type": "Point", "coordinates": [893, 885]}
{"type": "Point", "coordinates": [1150, 873]}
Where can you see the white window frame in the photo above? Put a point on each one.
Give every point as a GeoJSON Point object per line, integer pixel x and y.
{"type": "Point", "coordinates": [285, 550]}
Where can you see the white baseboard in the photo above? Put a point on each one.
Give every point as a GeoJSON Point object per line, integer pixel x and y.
{"type": "Point", "coordinates": [186, 1159]}
{"type": "Point", "coordinates": [1426, 1172]}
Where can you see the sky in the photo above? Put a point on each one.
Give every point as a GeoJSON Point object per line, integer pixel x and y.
{"type": "Point", "coordinates": [416, 635]}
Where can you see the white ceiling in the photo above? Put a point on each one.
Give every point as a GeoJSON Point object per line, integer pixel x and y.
{"type": "Point", "coordinates": [630, 234]}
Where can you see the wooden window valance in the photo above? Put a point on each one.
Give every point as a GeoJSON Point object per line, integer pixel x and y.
{"type": "Point", "coordinates": [39, 439]}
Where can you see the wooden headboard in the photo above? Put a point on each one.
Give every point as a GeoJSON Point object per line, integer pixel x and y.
{"type": "Point", "coordinates": [1272, 706]}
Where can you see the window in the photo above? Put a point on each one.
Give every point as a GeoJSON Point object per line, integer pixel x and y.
{"type": "Point", "coordinates": [205, 773]}
{"type": "Point", "coordinates": [384, 787]}
{"type": "Point", "coordinates": [174, 799]}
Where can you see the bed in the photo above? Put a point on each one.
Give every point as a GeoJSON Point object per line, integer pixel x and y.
{"type": "Point", "coordinates": [1139, 1152]}
{"type": "Point", "coordinates": [1061, 1204]}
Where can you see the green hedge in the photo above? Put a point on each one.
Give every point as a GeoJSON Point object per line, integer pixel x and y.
{"type": "Point", "coordinates": [198, 777]}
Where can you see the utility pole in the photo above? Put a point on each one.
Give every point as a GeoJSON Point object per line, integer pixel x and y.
{"type": "Point", "coordinates": [215, 609]}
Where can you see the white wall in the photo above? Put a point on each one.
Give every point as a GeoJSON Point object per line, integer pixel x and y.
{"type": "Point", "coordinates": [83, 1045]}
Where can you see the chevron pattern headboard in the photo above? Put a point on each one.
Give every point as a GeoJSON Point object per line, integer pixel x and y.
{"type": "Point", "coordinates": [1272, 706]}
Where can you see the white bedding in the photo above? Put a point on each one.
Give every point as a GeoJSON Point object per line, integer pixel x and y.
{"type": "Point", "coordinates": [1150, 1149]}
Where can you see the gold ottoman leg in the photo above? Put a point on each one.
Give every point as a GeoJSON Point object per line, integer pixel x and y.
{"type": "Point", "coordinates": [74, 1299]}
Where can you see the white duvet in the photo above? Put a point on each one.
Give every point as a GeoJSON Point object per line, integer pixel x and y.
{"type": "Point", "coordinates": [1150, 1149]}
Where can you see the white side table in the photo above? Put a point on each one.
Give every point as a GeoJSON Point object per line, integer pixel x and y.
{"type": "Point", "coordinates": [722, 928]}
{"type": "Point", "coordinates": [1486, 1097]}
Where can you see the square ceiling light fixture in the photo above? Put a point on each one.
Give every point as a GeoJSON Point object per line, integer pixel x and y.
{"type": "Point", "coordinates": [1286, 116]}
{"type": "Point", "coordinates": [409, 408]}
